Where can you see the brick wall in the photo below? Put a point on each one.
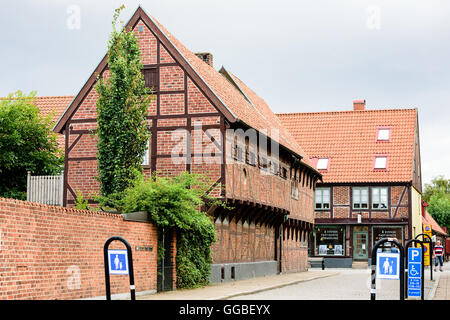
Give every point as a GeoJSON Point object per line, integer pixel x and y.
{"type": "Point", "coordinates": [49, 252]}
{"type": "Point", "coordinates": [295, 251]}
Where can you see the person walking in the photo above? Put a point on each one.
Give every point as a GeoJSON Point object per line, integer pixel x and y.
{"type": "Point", "coordinates": [438, 255]}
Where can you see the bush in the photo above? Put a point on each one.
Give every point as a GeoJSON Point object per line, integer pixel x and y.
{"type": "Point", "coordinates": [27, 143]}
{"type": "Point", "coordinates": [174, 202]}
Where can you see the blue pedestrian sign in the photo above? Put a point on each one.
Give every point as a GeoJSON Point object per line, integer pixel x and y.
{"type": "Point", "coordinates": [118, 261]}
{"type": "Point", "coordinates": [388, 265]}
{"type": "Point", "coordinates": [414, 272]}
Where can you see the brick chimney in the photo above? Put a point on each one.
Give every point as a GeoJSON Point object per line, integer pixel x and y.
{"type": "Point", "coordinates": [359, 105]}
{"type": "Point", "coordinates": [206, 57]}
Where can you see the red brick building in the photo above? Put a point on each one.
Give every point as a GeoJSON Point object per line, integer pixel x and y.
{"type": "Point", "coordinates": [209, 121]}
{"type": "Point", "coordinates": [371, 186]}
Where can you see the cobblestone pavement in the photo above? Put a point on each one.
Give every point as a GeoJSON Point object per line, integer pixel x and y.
{"type": "Point", "coordinates": [349, 284]}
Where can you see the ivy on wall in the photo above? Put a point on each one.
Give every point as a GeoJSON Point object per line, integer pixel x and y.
{"type": "Point", "coordinates": [121, 107]}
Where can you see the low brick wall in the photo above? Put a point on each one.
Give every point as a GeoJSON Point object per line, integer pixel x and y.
{"type": "Point", "coordinates": [49, 252]}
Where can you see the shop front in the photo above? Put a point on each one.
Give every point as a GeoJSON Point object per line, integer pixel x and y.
{"type": "Point", "coordinates": [341, 245]}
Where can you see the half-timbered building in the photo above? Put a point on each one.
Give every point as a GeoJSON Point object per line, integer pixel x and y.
{"type": "Point", "coordinates": [371, 186]}
{"type": "Point", "coordinates": [208, 121]}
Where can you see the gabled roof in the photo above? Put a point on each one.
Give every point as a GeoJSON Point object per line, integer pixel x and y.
{"type": "Point", "coordinates": [348, 139]}
{"type": "Point", "coordinates": [428, 219]}
{"type": "Point", "coordinates": [231, 102]}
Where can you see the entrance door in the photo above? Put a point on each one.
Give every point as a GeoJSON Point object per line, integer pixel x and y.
{"type": "Point", "coordinates": [360, 245]}
{"type": "Point", "coordinates": [165, 267]}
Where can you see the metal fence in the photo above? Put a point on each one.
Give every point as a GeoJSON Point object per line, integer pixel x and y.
{"type": "Point", "coordinates": [45, 189]}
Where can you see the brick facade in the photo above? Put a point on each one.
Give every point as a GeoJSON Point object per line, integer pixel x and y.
{"type": "Point", "coordinates": [341, 213]}
{"type": "Point", "coordinates": [49, 252]}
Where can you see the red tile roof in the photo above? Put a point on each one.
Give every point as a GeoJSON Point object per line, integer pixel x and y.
{"type": "Point", "coordinates": [428, 219]}
{"type": "Point", "coordinates": [348, 139]}
{"type": "Point", "coordinates": [254, 112]}
{"type": "Point", "coordinates": [228, 99]}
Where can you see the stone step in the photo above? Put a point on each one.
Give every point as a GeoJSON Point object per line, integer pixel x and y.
{"type": "Point", "coordinates": [360, 265]}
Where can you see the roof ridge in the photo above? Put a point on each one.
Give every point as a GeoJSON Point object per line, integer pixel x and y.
{"type": "Point", "coordinates": [347, 111]}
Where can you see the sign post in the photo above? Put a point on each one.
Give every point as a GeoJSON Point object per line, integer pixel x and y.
{"type": "Point", "coordinates": [427, 231]}
{"type": "Point", "coordinates": [415, 273]}
{"type": "Point", "coordinates": [118, 262]}
{"type": "Point", "coordinates": [428, 250]}
{"type": "Point", "coordinates": [386, 265]}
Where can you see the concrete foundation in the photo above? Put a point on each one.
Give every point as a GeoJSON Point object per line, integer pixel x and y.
{"type": "Point", "coordinates": [224, 272]}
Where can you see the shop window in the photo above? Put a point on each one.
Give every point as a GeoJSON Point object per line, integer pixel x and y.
{"type": "Point", "coordinates": [360, 198]}
{"type": "Point", "coordinates": [329, 241]}
{"type": "Point", "coordinates": [380, 232]}
{"type": "Point", "coordinates": [322, 198]}
{"type": "Point", "coordinates": [379, 198]}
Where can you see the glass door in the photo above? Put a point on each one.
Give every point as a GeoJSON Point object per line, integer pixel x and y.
{"type": "Point", "coordinates": [360, 245]}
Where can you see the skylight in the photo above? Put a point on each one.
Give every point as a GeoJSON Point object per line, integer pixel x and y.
{"type": "Point", "coordinates": [384, 134]}
{"type": "Point", "coordinates": [322, 164]}
{"type": "Point", "coordinates": [380, 162]}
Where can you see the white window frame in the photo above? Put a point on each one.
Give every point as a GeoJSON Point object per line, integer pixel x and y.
{"type": "Point", "coordinates": [377, 198]}
{"type": "Point", "coordinates": [321, 190]}
{"type": "Point", "coordinates": [359, 197]}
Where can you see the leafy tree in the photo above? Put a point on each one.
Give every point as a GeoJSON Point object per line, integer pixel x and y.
{"type": "Point", "coordinates": [437, 184]}
{"type": "Point", "coordinates": [27, 143]}
{"type": "Point", "coordinates": [121, 107]}
{"type": "Point", "coordinates": [437, 195]}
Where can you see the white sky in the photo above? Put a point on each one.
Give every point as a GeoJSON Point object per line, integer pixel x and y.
{"type": "Point", "coordinates": [300, 56]}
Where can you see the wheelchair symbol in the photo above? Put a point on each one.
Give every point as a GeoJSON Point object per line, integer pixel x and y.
{"type": "Point", "coordinates": [413, 271]}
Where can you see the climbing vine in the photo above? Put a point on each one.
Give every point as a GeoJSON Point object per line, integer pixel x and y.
{"type": "Point", "coordinates": [123, 101]}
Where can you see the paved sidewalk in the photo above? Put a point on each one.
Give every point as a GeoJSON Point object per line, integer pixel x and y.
{"type": "Point", "coordinates": [231, 289]}
{"type": "Point", "coordinates": [443, 288]}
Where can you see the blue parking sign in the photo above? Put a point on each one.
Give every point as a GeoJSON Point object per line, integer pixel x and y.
{"type": "Point", "coordinates": [118, 261]}
{"type": "Point", "coordinates": [414, 272]}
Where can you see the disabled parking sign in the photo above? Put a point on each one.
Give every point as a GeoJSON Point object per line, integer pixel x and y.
{"type": "Point", "coordinates": [414, 272]}
{"type": "Point", "coordinates": [118, 261]}
{"type": "Point", "coordinates": [388, 266]}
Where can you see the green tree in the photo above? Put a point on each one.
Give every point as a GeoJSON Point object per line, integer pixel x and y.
{"type": "Point", "coordinates": [437, 195]}
{"type": "Point", "coordinates": [437, 184]}
{"type": "Point", "coordinates": [27, 143]}
{"type": "Point", "coordinates": [439, 208]}
{"type": "Point", "coordinates": [121, 107]}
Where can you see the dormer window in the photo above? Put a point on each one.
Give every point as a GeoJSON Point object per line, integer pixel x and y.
{"type": "Point", "coordinates": [383, 134]}
{"type": "Point", "coordinates": [380, 162]}
{"type": "Point", "coordinates": [322, 164]}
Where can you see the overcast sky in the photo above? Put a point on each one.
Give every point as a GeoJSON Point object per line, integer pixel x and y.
{"type": "Point", "coordinates": [300, 56]}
